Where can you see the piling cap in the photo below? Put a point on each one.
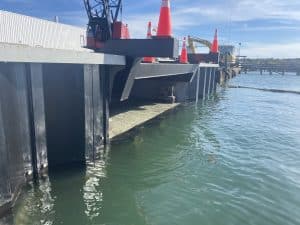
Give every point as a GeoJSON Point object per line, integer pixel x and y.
{"type": "Point", "coordinates": [215, 46]}
{"type": "Point", "coordinates": [183, 57]}
{"type": "Point", "coordinates": [165, 24]}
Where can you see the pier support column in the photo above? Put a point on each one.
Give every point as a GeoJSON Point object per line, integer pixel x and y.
{"type": "Point", "coordinates": [270, 72]}
{"type": "Point", "coordinates": [261, 71]}
{"type": "Point", "coordinates": [214, 80]}
{"type": "Point", "coordinates": [93, 111]}
{"type": "Point", "coordinates": [222, 78]}
{"type": "Point", "coordinates": [205, 83]}
{"type": "Point", "coordinates": [298, 73]}
{"type": "Point", "coordinates": [5, 190]}
{"type": "Point", "coordinates": [105, 84]}
{"type": "Point", "coordinates": [14, 133]}
{"type": "Point", "coordinates": [209, 82]}
{"type": "Point", "coordinates": [37, 123]}
{"type": "Point", "coordinates": [197, 85]}
{"type": "Point", "coordinates": [201, 81]}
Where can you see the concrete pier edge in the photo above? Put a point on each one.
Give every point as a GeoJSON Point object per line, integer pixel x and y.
{"type": "Point", "coordinates": [132, 131]}
{"type": "Point", "coordinates": [47, 66]}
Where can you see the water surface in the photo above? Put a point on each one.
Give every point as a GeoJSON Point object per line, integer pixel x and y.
{"type": "Point", "coordinates": [233, 159]}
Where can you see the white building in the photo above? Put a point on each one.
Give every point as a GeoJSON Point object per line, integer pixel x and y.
{"type": "Point", "coordinates": [34, 32]}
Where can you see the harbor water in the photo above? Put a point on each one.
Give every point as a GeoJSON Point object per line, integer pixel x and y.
{"type": "Point", "coordinates": [232, 159]}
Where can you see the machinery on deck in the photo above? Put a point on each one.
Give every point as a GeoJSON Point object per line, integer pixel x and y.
{"type": "Point", "coordinates": [195, 57]}
{"type": "Point", "coordinates": [107, 33]}
{"type": "Point", "coordinates": [104, 22]}
{"type": "Point", "coordinates": [227, 57]}
{"type": "Point", "coordinates": [191, 46]}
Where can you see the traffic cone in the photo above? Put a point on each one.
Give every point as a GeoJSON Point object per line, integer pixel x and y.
{"type": "Point", "coordinates": [183, 56]}
{"type": "Point", "coordinates": [149, 36]}
{"type": "Point", "coordinates": [215, 46]}
{"type": "Point", "coordinates": [165, 24]}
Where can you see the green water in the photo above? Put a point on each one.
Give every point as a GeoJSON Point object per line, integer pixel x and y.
{"type": "Point", "coordinates": [233, 159]}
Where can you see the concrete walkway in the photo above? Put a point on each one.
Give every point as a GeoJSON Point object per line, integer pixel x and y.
{"type": "Point", "coordinates": [22, 53]}
{"type": "Point", "coordinates": [132, 117]}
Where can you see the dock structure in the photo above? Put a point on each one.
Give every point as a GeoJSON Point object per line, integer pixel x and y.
{"type": "Point", "coordinates": [52, 109]}
{"type": "Point", "coordinates": [133, 116]}
{"type": "Point", "coordinates": [55, 103]}
{"type": "Point", "coordinates": [270, 66]}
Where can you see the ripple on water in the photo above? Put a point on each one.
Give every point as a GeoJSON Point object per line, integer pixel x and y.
{"type": "Point", "coordinates": [234, 159]}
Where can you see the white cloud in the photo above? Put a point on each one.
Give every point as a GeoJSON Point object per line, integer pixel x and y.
{"type": "Point", "coordinates": [189, 15]}
{"type": "Point", "coordinates": [138, 24]}
{"type": "Point", "coordinates": [267, 28]}
{"type": "Point", "coordinates": [243, 10]}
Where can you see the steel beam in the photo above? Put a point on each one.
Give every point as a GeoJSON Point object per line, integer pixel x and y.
{"type": "Point", "coordinates": [16, 53]}
{"type": "Point", "coordinates": [162, 71]}
{"type": "Point", "coordinates": [198, 58]}
{"type": "Point", "coordinates": [165, 47]}
{"type": "Point", "coordinates": [130, 79]}
{"type": "Point", "coordinates": [148, 70]}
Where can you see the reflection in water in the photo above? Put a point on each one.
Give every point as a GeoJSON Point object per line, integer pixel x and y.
{"type": "Point", "coordinates": [92, 192]}
{"type": "Point", "coordinates": [66, 197]}
{"type": "Point", "coordinates": [203, 137]}
{"type": "Point", "coordinates": [233, 160]}
{"type": "Point", "coordinates": [37, 206]}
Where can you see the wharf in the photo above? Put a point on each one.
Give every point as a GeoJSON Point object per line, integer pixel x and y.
{"type": "Point", "coordinates": [129, 117]}
{"type": "Point", "coordinates": [60, 103]}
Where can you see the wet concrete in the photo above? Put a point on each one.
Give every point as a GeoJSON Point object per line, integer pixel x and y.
{"type": "Point", "coordinates": [129, 116]}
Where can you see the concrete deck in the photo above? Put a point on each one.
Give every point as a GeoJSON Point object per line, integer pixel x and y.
{"type": "Point", "coordinates": [125, 121]}
{"type": "Point", "coordinates": [23, 53]}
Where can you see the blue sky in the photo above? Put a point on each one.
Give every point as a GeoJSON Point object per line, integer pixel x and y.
{"type": "Point", "coordinates": [266, 28]}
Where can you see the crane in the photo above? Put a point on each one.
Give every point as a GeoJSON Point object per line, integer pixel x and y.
{"type": "Point", "coordinates": [191, 45]}
{"type": "Point", "coordinates": [102, 15]}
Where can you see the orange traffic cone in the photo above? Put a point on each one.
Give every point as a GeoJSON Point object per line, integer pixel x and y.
{"type": "Point", "coordinates": [183, 56]}
{"type": "Point", "coordinates": [149, 36]}
{"type": "Point", "coordinates": [165, 25]}
{"type": "Point", "coordinates": [215, 46]}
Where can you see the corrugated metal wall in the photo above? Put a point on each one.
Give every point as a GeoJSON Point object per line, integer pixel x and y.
{"type": "Point", "coordinates": [25, 30]}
